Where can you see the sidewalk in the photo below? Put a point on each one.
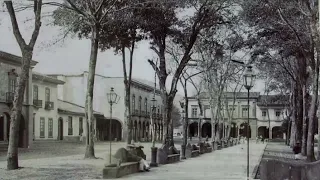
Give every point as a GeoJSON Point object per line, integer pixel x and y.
{"type": "Point", "coordinates": [226, 164]}
{"type": "Point", "coordinates": [229, 163]}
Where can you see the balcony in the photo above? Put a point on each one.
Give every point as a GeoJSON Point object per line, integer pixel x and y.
{"type": "Point", "coordinates": [9, 97]}
{"type": "Point", "coordinates": [37, 103]}
{"type": "Point", "coordinates": [49, 105]}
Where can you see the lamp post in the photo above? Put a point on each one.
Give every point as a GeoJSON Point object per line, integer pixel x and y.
{"type": "Point", "coordinates": [248, 78]}
{"type": "Point", "coordinates": [113, 98]}
{"type": "Point", "coordinates": [153, 132]}
{"type": "Point", "coordinates": [185, 134]}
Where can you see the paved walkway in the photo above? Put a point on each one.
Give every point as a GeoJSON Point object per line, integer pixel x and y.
{"type": "Point", "coordinates": [226, 164]}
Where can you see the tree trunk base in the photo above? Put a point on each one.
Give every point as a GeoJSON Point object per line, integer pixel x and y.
{"type": "Point", "coordinates": [311, 158]}
{"type": "Point", "coordinates": [89, 153]}
{"type": "Point", "coordinates": [12, 162]}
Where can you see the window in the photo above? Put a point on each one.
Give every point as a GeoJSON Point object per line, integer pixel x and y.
{"type": "Point", "coordinates": [146, 105]}
{"type": "Point", "coordinates": [245, 112]}
{"type": "Point", "coordinates": [80, 125]}
{"type": "Point", "coordinates": [264, 113]}
{"type": "Point", "coordinates": [42, 127]}
{"type": "Point", "coordinates": [278, 113]}
{"type": "Point", "coordinates": [47, 94]}
{"type": "Point", "coordinates": [194, 112]}
{"type": "Point", "coordinates": [133, 107]}
{"type": "Point", "coordinates": [140, 103]}
{"type": "Point", "coordinates": [35, 92]}
{"type": "Point", "coordinates": [70, 129]}
{"type": "Point", "coordinates": [12, 84]}
{"type": "Point", "coordinates": [50, 128]}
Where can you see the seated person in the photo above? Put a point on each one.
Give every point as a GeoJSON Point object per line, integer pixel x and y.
{"type": "Point", "coordinates": [297, 151]}
{"type": "Point", "coordinates": [123, 155]}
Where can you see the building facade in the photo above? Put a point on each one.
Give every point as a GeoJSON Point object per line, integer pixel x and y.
{"type": "Point", "coordinates": [74, 90]}
{"type": "Point", "coordinates": [10, 67]}
{"type": "Point", "coordinates": [234, 116]}
{"type": "Point", "coordinates": [45, 103]}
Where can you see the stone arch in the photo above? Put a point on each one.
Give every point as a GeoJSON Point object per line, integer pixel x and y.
{"type": "Point", "coordinates": [206, 130]}
{"type": "Point", "coordinates": [233, 130]}
{"type": "Point", "coordinates": [22, 129]}
{"type": "Point", "coordinates": [277, 132]}
{"type": "Point", "coordinates": [135, 125]}
{"type": "Point", "coordinates": [263, 131]}
{"type": "Point", "coordinates": [193, 129]}
{"type": "Point", "coordinates": [144, 130]}
{"type": "Point", "coordinates": [244, 129]}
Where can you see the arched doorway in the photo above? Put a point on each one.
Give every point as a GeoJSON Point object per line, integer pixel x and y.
{"type": "Point", "coordinates": [147, 131]}
{"type": "Point", "coordinates": [135, 126]}
{"type": "Point", "coordinates": [2, 127]}
{"type": "Point", "coordinates": [233, 130]}
{"type": "Point", "coordinates": [60, 129]}
{"type": "Point", "coordinates": [263, 131]}
{"type": "Point", "coordinates": [277, 132]}
{"type": "Point", "coordinates": [206, 130]}
{"type": "Point", "coordinates": [244, 129]}
{"type": "Point", "coordinates": [139, 131]}
{"type": "Point", "coordinates": [193, 129]}
{"type": "Point", "coordinates": [143, 131]}
{"type": "Point", "coordinates": [116, 130]}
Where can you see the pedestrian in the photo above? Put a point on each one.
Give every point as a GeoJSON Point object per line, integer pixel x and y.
{"type": "Point", "coordinates": [297, 151]}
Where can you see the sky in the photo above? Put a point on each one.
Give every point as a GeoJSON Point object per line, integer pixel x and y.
{"type": "Point", "coordinates": [72, 55]}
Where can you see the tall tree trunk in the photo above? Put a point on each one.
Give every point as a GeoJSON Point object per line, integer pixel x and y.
{"type": "Point", "coordinates": [304, 123]}
{"type": "Point", "coordinates": [127, 85]}
{"type": "Point", "coordinates": [12, 156]}
{"type": "Point", "coordinates": [27, 53]}
{"type": "Point", "coordinates": [312, 115]}
{"type": "Point", "coordinates": [294, 129]}
{"type": "Point", "coordinates": [89, 96]}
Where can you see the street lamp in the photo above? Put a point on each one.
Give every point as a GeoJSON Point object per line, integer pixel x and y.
{"type": "Point", "coordinates": [153, 131]}
{"type": "Point", "coordinates": [185, 131]}
{"type": "Point", "coordinates": [113, 98]}
{"type": "Point", "coordinates": [249, 79]}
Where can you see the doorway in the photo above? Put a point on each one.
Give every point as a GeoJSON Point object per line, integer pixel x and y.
{"type": "Point", "coordinates": [60, 129]}
{"type": "Point", "coordinates": [2, 128]}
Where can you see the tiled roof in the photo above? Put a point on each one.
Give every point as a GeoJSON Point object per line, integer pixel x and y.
{"type": "Point", "coordinates": [42, 77]}
{"type": "Point", "coordinates": [14, 58]}
{"type": "Point", "coordinates": [273, 100]}
{"type": "Point", "coordinates": [239, 95]}
{"type": "Point", "coordinates": [69, 107]}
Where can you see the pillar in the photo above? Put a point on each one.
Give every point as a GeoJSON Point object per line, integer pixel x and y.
{"type": "Point", "coordinates": [270, 133]}
{"type": "Point", "coordinates": [5, 124]}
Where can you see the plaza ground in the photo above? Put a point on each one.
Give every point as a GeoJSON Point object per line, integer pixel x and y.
{"type": "Point", "coordinates": [229, 163]}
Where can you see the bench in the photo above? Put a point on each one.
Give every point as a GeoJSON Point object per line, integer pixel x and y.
{"type": "Point", "coordinates": [164, 158]}
{"type": "Point", "coordinates": [219, 146]}
{"type": "Point", "coordinates": [209, 149]}
{"type": "Point", "coordinates": [113, 171]}
{"type": "Point", "coordinates": [292, 170]}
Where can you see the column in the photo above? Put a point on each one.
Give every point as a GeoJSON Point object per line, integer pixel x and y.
{"type": "Point", "coordinates": [5, 124]}
{"type": "Point", "coordinates": [270, 132]}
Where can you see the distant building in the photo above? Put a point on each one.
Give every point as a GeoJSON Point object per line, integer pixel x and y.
{"type": "Point", "coordinates": [235, 115]}
{"type": "Point", "coordinates": [74, 90]}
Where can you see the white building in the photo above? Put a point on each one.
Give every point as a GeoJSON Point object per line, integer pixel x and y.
{"type": "Point", "coordinates": [74, 90]}
{"type": "Point", "coordinates": [235, 108]}
{"type": "Point", "coordinates": [45, 103]}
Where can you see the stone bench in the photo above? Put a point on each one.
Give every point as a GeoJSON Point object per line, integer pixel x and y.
{"type": "Point", "coordinates": [209, 149]}
{"type": "Point", "coordinates": [291, 170]}
{"type": "Point", "coordinates": [192, 153]}
{"type": "Point", "coordinates": [113, 171]}
{"type": "Point", "coordinates": [173, 158]}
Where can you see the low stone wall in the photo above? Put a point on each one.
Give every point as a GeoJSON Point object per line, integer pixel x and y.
{"type": "Point", "coordinates": [119, 171]}
{"type": "Point", "coordinates": [192, 153]}
{"type": "Point", "coordinates": [273, 169]}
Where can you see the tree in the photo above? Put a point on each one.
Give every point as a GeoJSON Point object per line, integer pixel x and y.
{"type": "Point", "coordinates": [27, 53]}
{"type": "Point", "coordinates": [88, 19]}
{"type": "Point", "coordinates": [163, 24]}
{"type": "Point", "coordinates": [176, 117]}
{"type": "Point", "coordinates": [289, 30]}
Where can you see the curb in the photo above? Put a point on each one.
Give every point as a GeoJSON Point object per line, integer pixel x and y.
{"type": "Point", "coordinates": [256, 168]}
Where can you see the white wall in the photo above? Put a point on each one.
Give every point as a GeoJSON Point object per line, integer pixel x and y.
{"type": "Point", "coordinates": [46, 114]}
